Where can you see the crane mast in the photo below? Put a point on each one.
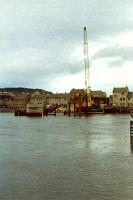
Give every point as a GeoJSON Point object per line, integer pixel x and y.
{"type": "Point", "coordinates": [86, 62]}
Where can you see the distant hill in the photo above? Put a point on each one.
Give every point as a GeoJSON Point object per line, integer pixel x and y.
{"type": "Point", "coordinates": [22, 89]}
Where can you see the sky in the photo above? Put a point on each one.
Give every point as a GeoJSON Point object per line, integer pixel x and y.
{"type": "Point", "coordinates": [41, 44]}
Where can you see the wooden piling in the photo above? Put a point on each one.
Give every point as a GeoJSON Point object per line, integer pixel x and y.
{"type": "Point", "coordinates": [74, 104]}
{"type": "Point", "coordinates": [86, 108]}
{"type": "Point", "coordinates": [69, 109]}
{"type": "Point", "coordinates": [131, 132]}
{"type": "Point", "coordinates": [79, 104]}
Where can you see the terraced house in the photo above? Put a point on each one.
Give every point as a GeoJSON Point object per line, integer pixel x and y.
{"type": "Point", "coordinates": [122, 97]}
{"type": "Point", "coordinates": [130, 99]}
{"type": "Point", "coordinates": [58, 99]}
{"type": "Point", "coordinates": [7, 100]}
{"type": "Point", "coordinates": [21, 100]}
{"type": "Point", "coordinates": [36, 103]}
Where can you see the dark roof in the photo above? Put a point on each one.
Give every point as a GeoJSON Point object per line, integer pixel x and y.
{"type": "Point", "coordinates": [120, 89]}
{"type": "Point", "coordinates": [38, 94]}
{"type": "Point", "coordinates": [130, 95]}
{"type": "Point", "coordinates": [98, 93]}
{"type": "Point", "coordinates": [58, 96]}
{"type": "Point", "coordinates": [21, 96]}
{"type": "Point", "coordinates": [77, 91]}
{"type": "Point", "coordinates": [6, 97]}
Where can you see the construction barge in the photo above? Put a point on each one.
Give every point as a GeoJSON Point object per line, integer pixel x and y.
{"type": "Point", "coordinates": [25, 113]}
{"type": "Point", "coordinates": [35, 112]}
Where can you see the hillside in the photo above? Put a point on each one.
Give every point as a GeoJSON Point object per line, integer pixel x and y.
{"type": "Point", "coordinates": [22, 89]}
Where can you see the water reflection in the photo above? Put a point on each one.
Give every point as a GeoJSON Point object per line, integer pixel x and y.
{"type": "Point", "coordinates": [66, 158]}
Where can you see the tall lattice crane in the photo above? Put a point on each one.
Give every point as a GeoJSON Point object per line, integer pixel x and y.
{"type": "Point", "coordinates": [86, 61]}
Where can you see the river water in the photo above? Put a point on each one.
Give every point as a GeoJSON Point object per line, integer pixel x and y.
{"type": "Point", "coordinates": [65, 158]}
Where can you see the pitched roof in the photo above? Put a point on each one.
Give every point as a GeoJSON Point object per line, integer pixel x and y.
{"type": "Point", "coordinates": [77, 91]}
{"type": "Point", "coordinates": [58, 96]}
{"type": "Point", "coordinates": [98, 93]}
{"type": "Point", "coordinates": [120, 89]}
{"type": "Point", "coordinates": [130, 95]}
{"type": "Point", "coordinates": [21, 96]}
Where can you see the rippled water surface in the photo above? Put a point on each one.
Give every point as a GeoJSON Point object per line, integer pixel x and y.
{"type": "Point", "coordinates": [65, 158]}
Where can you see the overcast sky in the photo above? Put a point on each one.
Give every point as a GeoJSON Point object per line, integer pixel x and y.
{"type": "Point", "coordinates": [41, 43]}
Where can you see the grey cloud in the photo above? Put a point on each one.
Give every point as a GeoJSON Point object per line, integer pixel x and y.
{"type": "Point", "coordinates": [31, 65]}
{"type": "Point", "coordinates": [116, 63]}
{"type": "Point", "coordinates": [125, 53]}
{"type": "Point", "coordinates": [63, 20]}
{"type": "Point", "coordinates": [37, 37]}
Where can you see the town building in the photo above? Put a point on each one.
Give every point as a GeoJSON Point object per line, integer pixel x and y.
{"type": "Point", "coordinates": [7, 100]}
{"type": "Point", "coordinates": [100, 98]}
{"type": "Point", "coordinates": [130, 99]}
{"type": "Point", "coordinates": [98, 93]}
{"type": "Point", "coordinates": [58, 99]}
{"type": "Point", "coordinates": [120, 96]}
{"type": "Point", "coordinates": [36, 103]}
{"type": "Point", "coordinates": [73, 100]}
{"type": "Point", "coordinates": [21, 100]}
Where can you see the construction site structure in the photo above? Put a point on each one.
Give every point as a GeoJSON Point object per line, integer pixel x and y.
{"type": "Point", "coordinates": [88, 101]}
{"type": "Point", "coordinates": [82, 101]}
{"type": "Point", "coordinates": [86, 62]}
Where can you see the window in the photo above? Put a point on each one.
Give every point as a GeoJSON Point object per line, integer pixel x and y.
{"type": "Point", "coordinates": [120, 98]}
{"type": "Point", "coordinates": [123, 99]}
{"type": "Point", "coordinates": [115, 95]}
{"type": "Point", "coordinates": [122, 93]}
